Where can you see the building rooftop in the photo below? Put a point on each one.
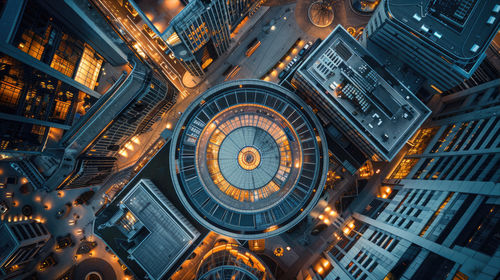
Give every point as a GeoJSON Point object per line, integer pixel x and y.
{"type": "Point", "coordinates": [368, 97]}
{"type": "Point", "coordinates": [143, 226]}
{"type": "Point", "coordinates": [461, 28]}
{"type": "Point", "coordinates": [248, 159]}
{"type": "Point", "coordinates": [7, 243]}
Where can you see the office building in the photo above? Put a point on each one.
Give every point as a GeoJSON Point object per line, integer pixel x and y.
{"type": "Point", "coordinates": [445, 41]}
{"type": "Point", "coordinates": [239, 10]}
{"type": "Point", "coordinates": [146, 231]}
{"type": "Point", "coordinates": [436, 215]}
{"type": "Point", "coordinates": [73, 116]}
{"type": "Point", "coordinates": [199, 34]}
{"type": "Point", "coordinates": [248, 159]}
{"type": "Point", "coordinates": [231, 261]}
{"type": "Point", "coordinates": [19, 246]}
{"type": "Point", "coordinates": [90, 149]}
{"type": "Point", "coordinates": [52, 70]}
{"type": "Point", "coordinates": [359, 97]}
{"type": "Point", "coordinates": [460, 142]}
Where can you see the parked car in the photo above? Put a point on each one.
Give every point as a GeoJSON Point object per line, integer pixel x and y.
{"type": "Point", "coordinates": [84, 198]}
{"type": "Point", "coordinates": [3, 207]}
{"type": "Point", "coordinates": [64, 241]}
{"type": "Point", "coordinates": [305, 49]}
{"type": "Point", "coordinates": [282, 75]}
{"type": "Point", "coordinates": [49, 261]}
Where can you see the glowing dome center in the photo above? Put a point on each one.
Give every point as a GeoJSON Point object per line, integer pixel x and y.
{"type": "Point", "coordinates": [249, 158]}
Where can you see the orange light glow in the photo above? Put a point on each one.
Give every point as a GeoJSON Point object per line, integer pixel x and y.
{"type": "Point", "coordinates": [333, 213]}
{"type": "Point", "coordinates": [351, 225]}
{"type": "Point", "coordinates": [169, 126]}
{"type": "Point", "coordinates": [24, 180]}
{"type": "Point", "coordinates": [129, 146]}
{"type": "Point", "coordinates": [136, 140]}
{"type": "Point", "coordinates": [327, 209]}
{"type": "Point", "coordinates": [150, 16]}
{"type": "Point", "coordinates": [123, 153]}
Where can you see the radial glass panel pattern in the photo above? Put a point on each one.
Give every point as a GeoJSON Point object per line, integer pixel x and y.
{"type": "Point", "coordinates": [248, 159]}
{"type": "Point", "coordinates": [233, 263]}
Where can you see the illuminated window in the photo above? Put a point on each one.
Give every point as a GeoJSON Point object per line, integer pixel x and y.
{"type": "Point", "coordinates": [89, 68]}
{"type": "Point", "coordinates": [38, 130]}
{"type": "Point", "coordinates": [422, 139]}
{"type": "Point", "coordinates": [173, 39]}
{"type": "Point", "coordinates": [436, 213]}
{"type": "Point", "coordinates": [10, 85]}
{"type": "Point", "coordinates": [61, 109]}
{"type": "Point", "coordinates": [404, 168]}
{"type": "Point", "coordinates": [9, 94]}
{"type": "Point", "coordinates": [65, 57]}
{"type": "Point", "coordinates": [32, 43]}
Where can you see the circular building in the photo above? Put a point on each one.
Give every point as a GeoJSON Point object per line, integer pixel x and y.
{"type": "Point", "coordinates": [232, 262]}
{"type": "Point", "coordinates": [248, 159]}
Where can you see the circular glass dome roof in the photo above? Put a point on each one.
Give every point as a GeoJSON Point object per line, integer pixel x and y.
{"type": "Point", "coordinates": [249, 160]}
{"type": "Point", "coordinates": [232, 262]}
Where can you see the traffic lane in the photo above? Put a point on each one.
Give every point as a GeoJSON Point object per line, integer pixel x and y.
{"type": "Point", "coordinates": [275, 45]}
{"type": "Point", "coordinates": [128, 24]}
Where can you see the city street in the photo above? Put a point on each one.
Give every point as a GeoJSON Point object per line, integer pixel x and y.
{"type": "Point", "coordinates": [278, 27]}
{"type": "Point", "coordinates": [130, 29]}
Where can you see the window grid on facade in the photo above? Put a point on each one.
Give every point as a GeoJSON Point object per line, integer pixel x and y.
{"type": "Point", "coordinates": [89, 68]}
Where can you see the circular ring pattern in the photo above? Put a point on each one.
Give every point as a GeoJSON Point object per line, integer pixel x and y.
{"type": "Point", "coordinates": [247, 159]}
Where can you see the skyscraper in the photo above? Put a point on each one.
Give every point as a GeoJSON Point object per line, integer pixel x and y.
{"type": "Point", "coordinates": [19, 246]}
{"type": "Point", "coordinates": [436, 216]}
{"type": "Point", "coordinates": [199, 34]}
{"type": "Point", "coordinates": [53, 59]}
{"type": "Point", "coordinates": [50, 80]}
{"type": "Point", "coordinates": [461, 140]}
{"type": "Point", "coordinates": [359, 97]}
{"type": "Point", "coordinates": [445, 41]}
{"type": "Point", "coordinates": [87, 153]}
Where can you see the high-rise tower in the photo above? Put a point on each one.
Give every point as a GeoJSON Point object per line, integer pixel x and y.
{"type": "Point", "coordinates": [437, 213]}
{"type": "Point", "coordinates": [445, 41]}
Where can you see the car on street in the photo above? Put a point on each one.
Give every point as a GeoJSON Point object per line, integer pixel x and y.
{"type": "Point", "coordinates": [282, 75]}
{"type": "Point", "coordinates": [3, 207]}
{"type": "Point", "coordinates": [49, 261]}
{"type": "Point", "coordinates": [84, 198]}
{"type": "Point", "coordinates": [305, 49]}
{"type": "Point", "coordinates": [64, 241]}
